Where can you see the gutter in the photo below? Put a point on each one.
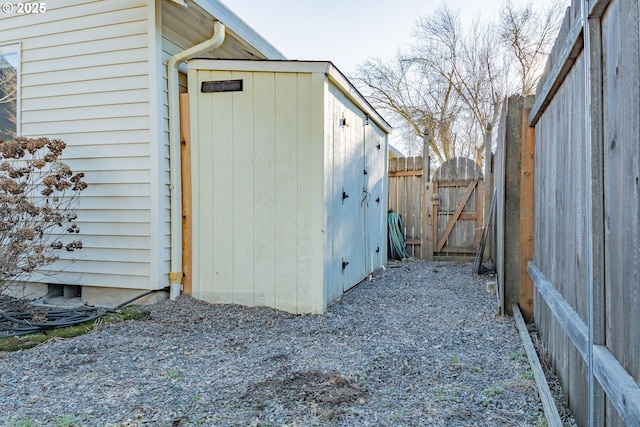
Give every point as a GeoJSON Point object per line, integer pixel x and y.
{"type": "Point", "coordinates": [175, 275]}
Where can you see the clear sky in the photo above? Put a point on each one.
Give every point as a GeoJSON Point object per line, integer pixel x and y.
{"type": "Point", "coordinates": [347, 32]}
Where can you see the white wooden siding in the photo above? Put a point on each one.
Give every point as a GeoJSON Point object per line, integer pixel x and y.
{"type": "Point", "coordinates": [331, 273]}
{"type": "Point", "coordinates": [264, 233]}
{"type": "Point", "coordinates": [254, 186]}
{"type": "Point", "coordinates": [85, 80]}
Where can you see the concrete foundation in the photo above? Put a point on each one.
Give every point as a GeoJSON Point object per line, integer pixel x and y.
{"type": "Point", "coordinates": [72, 296]}
{"type": "Point", "coordinates": [26, 290]}
{"type": "Point", "coordinates": [111, 297]}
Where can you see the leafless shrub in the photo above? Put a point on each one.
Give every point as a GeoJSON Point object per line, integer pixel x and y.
{"type": "Point", "coordinates": [38, 193]}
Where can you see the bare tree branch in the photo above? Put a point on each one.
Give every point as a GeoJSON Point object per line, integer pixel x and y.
{"type": "Point", "coordinates": [529, 35]}
{"type": "Point", "coordinates": [452, 82]}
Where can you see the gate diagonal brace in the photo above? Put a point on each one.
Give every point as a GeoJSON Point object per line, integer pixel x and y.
{"type": "Point", "coordinates": [456, 215]}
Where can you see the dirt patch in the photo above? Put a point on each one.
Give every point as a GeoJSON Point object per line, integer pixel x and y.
{"type": "Point", "coordinates": [328, 391]}
{"type": "Point", "coordinates": [336, 390]}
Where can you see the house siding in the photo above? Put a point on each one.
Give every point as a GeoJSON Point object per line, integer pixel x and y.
{"type": "Point", "coordinates": [85, 79]}
{"type": "Point", "coordinates": [93, 73]}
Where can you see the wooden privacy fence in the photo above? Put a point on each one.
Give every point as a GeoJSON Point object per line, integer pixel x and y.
{"type": "Point", "coordinates": [406, 187]}
{"type": "Point", "coordinates": [443, 217]}
{"type": "Point", "coordinates": [586, 266]}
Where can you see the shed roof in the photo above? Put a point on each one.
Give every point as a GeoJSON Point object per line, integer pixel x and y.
{"type": "Point", "coordinates": [288, 66]}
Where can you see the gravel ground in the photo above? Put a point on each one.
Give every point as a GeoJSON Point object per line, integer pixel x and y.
{"type": "Point", "coordinates": [419, 345]}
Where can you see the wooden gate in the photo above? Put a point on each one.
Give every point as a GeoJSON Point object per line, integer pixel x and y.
{"type": "Point", "coordinates": [442, 218]}
{"type": "Point", "coordinates": [457, 203]}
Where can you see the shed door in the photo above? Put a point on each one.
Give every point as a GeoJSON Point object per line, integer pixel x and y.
{"type": "Point", "coordinates": [373, 201]}
{"type": "Point", "coordinates": [349, 175]}
{"type": "Point", "coordinates": [359, 214]}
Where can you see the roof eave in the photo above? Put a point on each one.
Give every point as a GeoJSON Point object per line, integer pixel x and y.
{"type": "Point", "coordinates": [234, 23]}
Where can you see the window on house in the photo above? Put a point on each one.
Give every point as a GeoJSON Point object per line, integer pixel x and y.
{"type": "Point", "coordinates": [9, 75]}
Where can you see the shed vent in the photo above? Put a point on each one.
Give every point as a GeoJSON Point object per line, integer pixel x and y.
{"type": "Point", "coordinates": [221, 86]}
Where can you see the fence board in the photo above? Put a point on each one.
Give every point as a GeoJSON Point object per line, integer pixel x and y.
{"type": "Point", "coordinates": [597, 307]}
{"type": "Point", "coordinates": [613, 196]}
{"type": "Point", "coordinates": [621, 168]}
{"type": "Point", "coordinates": [499, 221]}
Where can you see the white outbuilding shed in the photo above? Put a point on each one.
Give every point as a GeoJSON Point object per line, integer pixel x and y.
{"type": "Point", "coordinates": [289, 186]}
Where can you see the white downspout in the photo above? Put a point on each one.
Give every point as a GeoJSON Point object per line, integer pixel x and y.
{"type": "Point", "coordinates": [175, 275]}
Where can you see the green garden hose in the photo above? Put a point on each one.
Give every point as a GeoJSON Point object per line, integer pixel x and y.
{"type": "Point", "coordinates": [397, 246]}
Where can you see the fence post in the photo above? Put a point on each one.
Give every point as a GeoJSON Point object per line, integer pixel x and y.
{"type": "Point", "coordinates": [527, 188]}
{"type": "Point", "coordinates": [426, 206]}
{"type": "Point", "coordinates": [594, 164]}
{"type": "Point", "coordinates": [488, 192]}
{"type": "Point", "coordinates": [510, 206]}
